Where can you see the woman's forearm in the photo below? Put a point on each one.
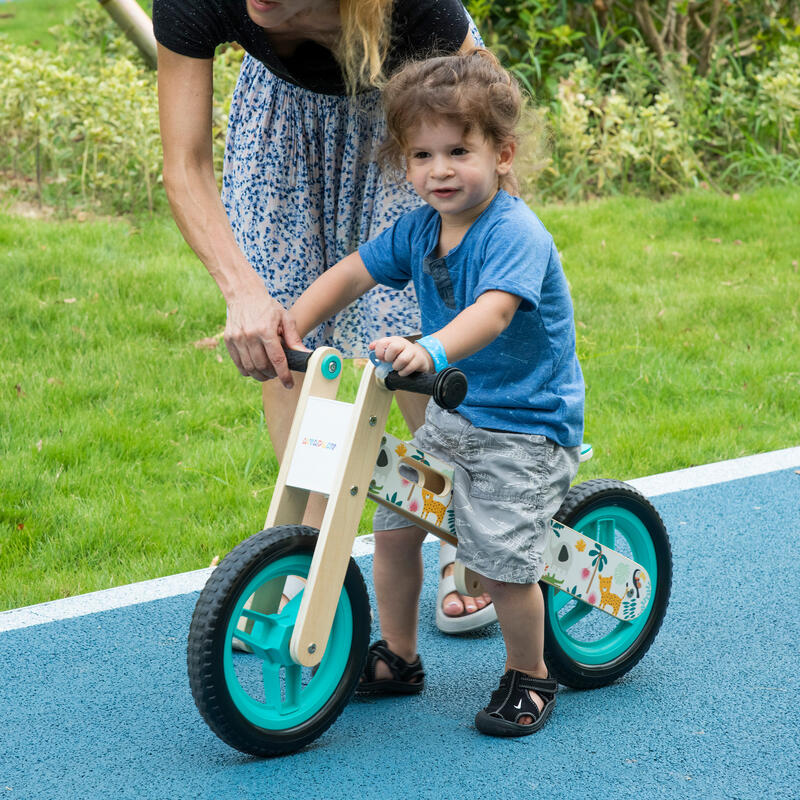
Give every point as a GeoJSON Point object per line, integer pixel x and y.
{"type": "Point", "coordinates": [185, 87]}
{"type": "Point", "coordinates": [201, 218]}
{"type": "Point", "coordinates": [256, 325]}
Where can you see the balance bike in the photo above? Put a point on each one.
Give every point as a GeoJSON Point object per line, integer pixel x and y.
{"type": "Point", "coordinates": [606, 583]}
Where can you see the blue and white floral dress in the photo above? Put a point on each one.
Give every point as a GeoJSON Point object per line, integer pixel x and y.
{"type": "Point", "coordinates": [303, 190]}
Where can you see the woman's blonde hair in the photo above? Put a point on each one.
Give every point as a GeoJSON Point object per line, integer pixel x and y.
{"type": "Point", "coordinates": [364, 43]}
{"type": "Point", "coordinates": [470, 89]}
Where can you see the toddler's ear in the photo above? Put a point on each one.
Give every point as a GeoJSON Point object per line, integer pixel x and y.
{"type": "Point", "coordinates": [505, 157]}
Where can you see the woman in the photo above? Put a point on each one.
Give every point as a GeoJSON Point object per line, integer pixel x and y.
{"type": "Point", "coordinates": [301, 188]}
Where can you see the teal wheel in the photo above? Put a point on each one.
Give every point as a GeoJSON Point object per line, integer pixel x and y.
{"type": "Point", "coordinates": [261, 702]}
{"type": "Point", "coordinates": [584, 647]}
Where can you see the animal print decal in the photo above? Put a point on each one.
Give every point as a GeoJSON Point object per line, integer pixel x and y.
{"type": "Point", "coordinates": [595, 574]}
{"type": "Point", "coordinates": [574, 563]}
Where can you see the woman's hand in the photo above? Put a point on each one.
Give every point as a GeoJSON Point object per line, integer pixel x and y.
{"type": "Point", "coordinates": [256, 330]}
{"type": "Point", "coordinates": [404, 356]}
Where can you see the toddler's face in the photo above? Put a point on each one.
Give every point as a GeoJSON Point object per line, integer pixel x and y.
{"type": "Point", "coordinates": [455, 172]}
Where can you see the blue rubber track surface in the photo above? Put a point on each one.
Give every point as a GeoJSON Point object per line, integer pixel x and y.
{"type": "Point", "coordinates": [99, 706]}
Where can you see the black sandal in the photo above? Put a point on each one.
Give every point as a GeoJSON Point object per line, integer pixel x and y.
{"type": "Point", "coordinates": [511, 701]}
{"type": "Point", "coordinates": [407, 678]}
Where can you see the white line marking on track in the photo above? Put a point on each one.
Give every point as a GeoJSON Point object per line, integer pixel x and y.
{"type": "Point", "coordinates": [721, 472]}
{"type": "Point", "coordinates": [105, 600]}
{"type": "Point", "coordinates": [187, 582]}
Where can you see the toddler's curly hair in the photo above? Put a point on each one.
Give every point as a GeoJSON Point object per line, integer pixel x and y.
{"type": "Point", "coordinates": [470, 89]}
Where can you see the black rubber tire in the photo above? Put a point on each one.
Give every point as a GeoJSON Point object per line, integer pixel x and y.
{"type": "Point", "coordinates": [207, 637]}
{"type": "Point", "coordinates": [580, 501]}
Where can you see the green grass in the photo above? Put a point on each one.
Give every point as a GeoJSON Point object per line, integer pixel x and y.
{"type": "Point", "coordinates": [126, 453]}
{"type": "Point", "coordinates": [27, 22]}
{"type": "Point", "coordinates": [688, 325]}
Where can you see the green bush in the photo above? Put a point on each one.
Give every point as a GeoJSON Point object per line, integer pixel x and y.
{"type": "Point", "coordinates": [618, 113]}
{"type": "Point", "coordinates": [81, 123]}
{"type": "Point", "coordinates": [733, 130]}
{"type": "Point", "coordinates": [540, 39]}
{"type": "Point", "coordinates": [88, 133]}
{"type": "Point", "coordinates": [652, 97]}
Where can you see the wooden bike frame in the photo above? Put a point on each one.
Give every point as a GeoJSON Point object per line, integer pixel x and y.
{"type": "Point", "coordinates": [359, 443]}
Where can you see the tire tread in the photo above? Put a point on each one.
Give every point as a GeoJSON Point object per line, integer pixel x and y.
{"type": "Point", "coordinates": [202, 660]}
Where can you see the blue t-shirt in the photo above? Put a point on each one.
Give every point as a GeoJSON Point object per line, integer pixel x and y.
{"type": "Point", "coordinates": [528, 380]}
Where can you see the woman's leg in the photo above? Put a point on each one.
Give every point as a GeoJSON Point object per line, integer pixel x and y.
{"type": "Point", "coordinates": [412, 407]}
{"type": "Point", "coordinates": [455, 604]}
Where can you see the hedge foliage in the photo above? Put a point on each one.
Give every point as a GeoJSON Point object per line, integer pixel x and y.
{"type": "Point", "coordinates": [80, 125]}
{"type": "Point", "coordinates": [626, 102]}
{"type": "Point", "coordinates": [652, 96]}
{"type": "Point", "coordinates": [735, 130]}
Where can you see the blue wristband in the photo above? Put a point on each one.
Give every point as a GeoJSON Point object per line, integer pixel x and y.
{"type": "Point", "coordinates": [436, 351]}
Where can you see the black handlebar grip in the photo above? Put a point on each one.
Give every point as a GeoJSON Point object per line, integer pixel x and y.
{"type": "Point", "coordinates": [448, 387]}
{"type": "Point", "coordinates": [298, 359]}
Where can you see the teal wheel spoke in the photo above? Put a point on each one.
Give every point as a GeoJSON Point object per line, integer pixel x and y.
{"type": "Point", "coordinates": [293, 685]}
{"type": "Point", "coordinates": [605, 529]}
{"type": "Point", "coordinates": [271, 676]}
{"type": "Point", "coordinates": [257, 616]}
{"type": "Point", "coordinates": [269, 637]}
{"type": "Point", "coordinates": [292, 607]}
{"type": "Point", "coordinates": [286, 702]}
{"type": "Point", "coordinates": [247, 639]}
{"type": "Point", "coordinates": [561, 600]}
{"type": "Point", "coordinates": [574, 615]}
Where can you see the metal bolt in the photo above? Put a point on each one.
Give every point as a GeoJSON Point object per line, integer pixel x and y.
{"type": "Point", "coordinates": [373, 421]}
{"type": "Point", "coordinates": [354, 490]}
{"type": "Point", "coordinates": [332, 366]}
{"type": "Point", "coordinates": [312, 648]}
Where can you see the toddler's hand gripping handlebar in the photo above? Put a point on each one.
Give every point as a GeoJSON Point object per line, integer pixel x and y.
{"type": "Point", "coordinates": [448, 387]}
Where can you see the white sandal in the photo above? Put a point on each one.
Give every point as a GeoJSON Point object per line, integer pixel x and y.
{"type": "Point", "coordinates": [465, 622]}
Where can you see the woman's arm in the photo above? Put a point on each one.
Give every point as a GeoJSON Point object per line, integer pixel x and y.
{"type": "Point", "coordinates": [256, 322]}
{"type": "Point", "coordinates": [475, 327]}
{"type": "Point", "coordinates": [334, 290]}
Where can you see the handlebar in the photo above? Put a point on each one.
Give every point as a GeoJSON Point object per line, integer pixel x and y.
{"type": "Point", "coordinates": [448, 387]}
{"type": "Point", "coordinates": [298, 359]}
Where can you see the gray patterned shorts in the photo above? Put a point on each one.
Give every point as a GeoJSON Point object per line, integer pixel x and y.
{"type": "Point", "coordinates": [506, 488]}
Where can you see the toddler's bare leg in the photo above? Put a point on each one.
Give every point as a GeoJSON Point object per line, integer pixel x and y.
{"type": "Point", "coordinates": [520, 611]}
{"type": "Point", "coordinates": [397, 573]}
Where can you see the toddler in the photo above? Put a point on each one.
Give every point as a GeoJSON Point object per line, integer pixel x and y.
{"type": "Point", "coordinates": [494, 301]}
